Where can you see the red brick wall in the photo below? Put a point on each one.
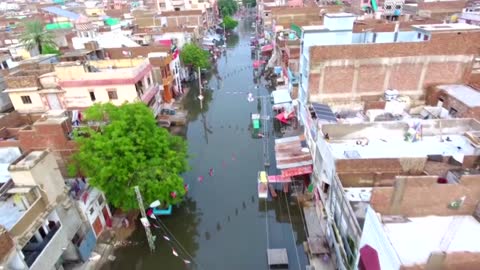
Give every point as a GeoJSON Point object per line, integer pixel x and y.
{"type": "Point", "coordinates": [52, 137]}
{"type": "Point", "coordinates": [338, 79]}
{"type": "Point", "coordinates": [391, 165]}
{"type": "Point", "coordinates": [463, 111]}
{"type": "Point", "coordinates": [405, 76]}
{"type": "Point", "coordinates": [371, 78]}
{"type": "Point", "coordinates": [423, 196]}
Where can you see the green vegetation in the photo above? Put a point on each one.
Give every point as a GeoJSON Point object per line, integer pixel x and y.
{"type": "Point", "coordinates": [229, 23]}
{"type": "Point", "coordinates": [193, 55]}
{"type": "Point", "coordinates": [36, 36]}
{"type": "Point", "coordinates": [126, 149]}
{"type": "Point", "coordinates": [227, 7]}
{"type": "Point", "coordinates": [49, 49]}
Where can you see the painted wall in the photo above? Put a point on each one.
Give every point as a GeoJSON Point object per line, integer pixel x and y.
{"type": "Point", "coordinates": [79, 97]}
{"type": "Point", "coordinates": [374, 236]}
{"type": "Point", "coordinates": [70, 223]}
{"type": "Point", "coordinates": [16, 99]}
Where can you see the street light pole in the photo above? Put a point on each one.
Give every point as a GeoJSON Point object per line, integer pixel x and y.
{"type": "Point", "coordinates": [150, 238]}
{"type": "Point", "coordinates": [200, 96]}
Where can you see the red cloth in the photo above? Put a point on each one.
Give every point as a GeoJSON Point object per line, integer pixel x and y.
{"type": "Point", "coordinates": [368, 259]}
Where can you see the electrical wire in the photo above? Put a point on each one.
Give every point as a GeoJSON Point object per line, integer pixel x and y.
{"type": "Point", "coordinates": [184, 250]}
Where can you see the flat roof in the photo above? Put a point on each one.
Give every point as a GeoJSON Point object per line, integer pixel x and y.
{"type": "Point", "coordinates": [10, 213]}
{"type": "Point", "coordinates": [28, 161]}
{"type": "Point", "coordinates": [439, 27]}
{"type": "Point", "coordinates": [415, 240]}
{"type": "Point", "coordinates": [7, 156]}
{"type": "Point", "coordinates": [464, 93]}
{"type": "Point", "coordinates": [397, 147]}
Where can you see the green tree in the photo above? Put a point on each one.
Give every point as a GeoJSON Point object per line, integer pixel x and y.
{"type": "Point", "coordinates": [127, 149]}
{"type": "Point", "coordinates": [229, 23]}
{"type": "Point", "coordinates": [36, 36]}
{"type": "Point", "coordinates": [227, 7]}
{"type": "Point", "coordinates": [48, 49]}
{"type": "Point", "coordinates": [195, 56]}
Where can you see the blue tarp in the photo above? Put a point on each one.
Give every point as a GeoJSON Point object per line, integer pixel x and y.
{"type": "Point", "coordinates": [62, 13]}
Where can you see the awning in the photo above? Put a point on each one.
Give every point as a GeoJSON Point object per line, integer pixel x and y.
{"type": "Point", "coordinates": [369, 258]}
{"type": "Point", "coordinates": [324, 112]}
{"type": "Point", "coordinates": [278, 179]}
{"type": "Point", "coordinates": [297, 171]}
{"type": "Point", "coordinates": [267, 48]}
{"type": "Point", "coordinates": [283, 117]}
{"type": "Point", "coordinates": [292, 152]}
{"type": "Point", "coordinates": [281, 96]}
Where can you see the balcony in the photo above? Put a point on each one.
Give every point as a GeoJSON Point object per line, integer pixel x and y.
{"type": "Point", "coordinates": [35, 248]}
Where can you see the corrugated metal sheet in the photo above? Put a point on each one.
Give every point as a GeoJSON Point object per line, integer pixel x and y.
{"type": "Point", "coordinates": [289, 154]}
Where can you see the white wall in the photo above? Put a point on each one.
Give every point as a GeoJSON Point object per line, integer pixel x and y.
{"type": "Point", "coordinates": [70, 223]}
{"type": "Point", "coordinates": [374, 236]}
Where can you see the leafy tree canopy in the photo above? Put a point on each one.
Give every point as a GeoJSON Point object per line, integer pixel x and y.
{"type": "Point", "coordinates": [229, 23]}
{"type": "Point", "coordinates": [127, 149]}
{"type": "Point", "coordinates": [195, 56]}
{"type": "Point", "coordinates": [227, 7]}
{"type": "Point", "coordinates": [36, 36]}
{"type": "Point", "coordinates": [48, 49]}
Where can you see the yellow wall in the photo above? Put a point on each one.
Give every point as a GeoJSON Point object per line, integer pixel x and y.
{"type": "Point", "coordinates": [94, 12]}
{"type": "Point", "coordinates": [36, 106]}
{"type": "Point", "coordinates": [79, 97]}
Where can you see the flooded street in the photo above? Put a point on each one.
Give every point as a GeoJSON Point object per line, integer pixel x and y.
{"type": "Point", "coordinates": [222, 224]}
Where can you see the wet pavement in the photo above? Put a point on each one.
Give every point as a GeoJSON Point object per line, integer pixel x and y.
{"type": "Point", "coordinates": [222, 224]}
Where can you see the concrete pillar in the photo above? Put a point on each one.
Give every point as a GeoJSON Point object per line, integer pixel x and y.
{"type": "Point", "coordinates": [356, 68]}
{"type": "Point", "coordinates": [386, 81]}
{"type": "Point", "coordinates": [38, 236]}
{"type": "Point", "coordinates": [423, 73]}
{"type": "Point", "coordinates": [321, 81]}
{"type": "Point", "coordinates": [397, 196]}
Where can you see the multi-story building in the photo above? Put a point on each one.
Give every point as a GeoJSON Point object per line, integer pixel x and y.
{"type": "Point", "coordinates": [39, 217]}
{"type": "Point", "coordinates": [355, 164]}
{"type": "Point", "coordinates": [346, 68]}
{"type": "Point", "coordinates": [77, 85]}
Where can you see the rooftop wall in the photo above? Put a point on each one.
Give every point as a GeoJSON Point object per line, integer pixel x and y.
{"type": "Point", "coordinates": [109, 69]}
{"type": "Point", "coordinates": [397, 128]}
{"type": "Point", "coordinates": [440, 44]}
{"type": "Point", "coordinates": [415, 196]}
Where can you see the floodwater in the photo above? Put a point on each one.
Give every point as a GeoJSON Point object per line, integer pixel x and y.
{"type": "Point", "coordinates": [223, 225]}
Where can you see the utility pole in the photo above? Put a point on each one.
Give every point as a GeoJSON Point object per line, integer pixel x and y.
{"type": "Point", "coordinates": [200, 96]}
{"type": "Point", "coordinates": [146, 225]}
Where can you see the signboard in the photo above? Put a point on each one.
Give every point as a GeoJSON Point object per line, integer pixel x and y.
{"type": "Point", "coordinates": [297, 171]}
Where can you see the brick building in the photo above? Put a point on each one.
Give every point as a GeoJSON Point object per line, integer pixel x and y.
{"type": "Point", "coordinates": [345, 73]}
{"type": "Point", "coordinates": [34, 132]}
{"type": "Point", "coordinates": [461, 101]}
{"type": "Point", "coordinates": [351, 160]}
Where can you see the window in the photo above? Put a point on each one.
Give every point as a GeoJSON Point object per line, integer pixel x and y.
{"type": "Point", "coordinates": [90, 211]}
{"type": "Point", "coordinates": [112, 93]}
{"type": "Point", "coordinates": [425, 37]}
{"type": "Point", "coordinates": [162, 5]}
{"type": "Point", "coordinates": [419, 35]}
{"type": "Point", "coordinates": [100, 200]}
{"type": "Point", "coordinates": [149, 81]}
{"type": "Point", "coordinates": [92, 95]}
{"type": "Point", "coordinates": [26, 100]}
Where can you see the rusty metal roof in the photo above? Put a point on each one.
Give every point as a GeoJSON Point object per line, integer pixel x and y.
{"type": "Point", "coordinates": [289, 154]}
